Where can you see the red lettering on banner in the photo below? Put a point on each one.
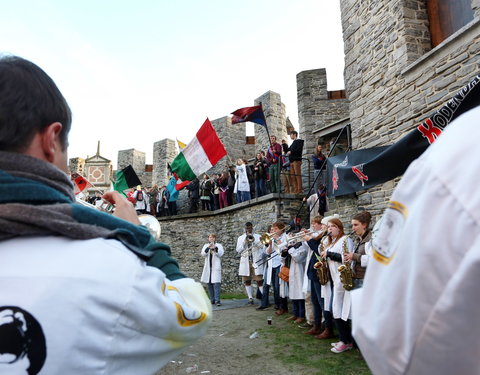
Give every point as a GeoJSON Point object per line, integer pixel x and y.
{"type": "Point", "coordinates": [361, 176]}
{"type": "Point", "coordinates": [429, 131]}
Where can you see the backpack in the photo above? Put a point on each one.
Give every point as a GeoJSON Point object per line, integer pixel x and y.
{"type": "Point", "coordinates": [139, 196]}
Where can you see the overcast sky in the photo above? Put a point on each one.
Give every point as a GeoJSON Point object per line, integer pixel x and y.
{"type": "Point", "coordinates": [138, 72]}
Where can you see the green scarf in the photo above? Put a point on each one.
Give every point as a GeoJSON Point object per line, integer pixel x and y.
{"type": "Point", "coordinates": [37, 199]}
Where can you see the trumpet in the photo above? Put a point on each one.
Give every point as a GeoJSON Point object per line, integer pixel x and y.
{"type": "Point", "coordinates": [300, 236]}
{"type": "Point", "coordinates": [147, 221]}
{"type": "Point", "coordinates": [266, 238]}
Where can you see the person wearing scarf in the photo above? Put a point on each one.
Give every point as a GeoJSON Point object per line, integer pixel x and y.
{"type": "Point", "coordinates": [81, 291]}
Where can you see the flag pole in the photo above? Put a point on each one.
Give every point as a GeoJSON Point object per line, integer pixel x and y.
{"type": "Point", "coordinates": [266, 126]}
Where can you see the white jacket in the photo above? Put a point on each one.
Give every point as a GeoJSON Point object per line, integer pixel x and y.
{"type": "Point", "coordinates": [297, 268]}
{"type": "Point", "coordinates": [244, 267]}
{"type": "Point", "coordinates": [422, 279]}
{"type": "Point", "coordinates": [101, 309]}
{"type": "Point", "coordinates": [216, 264]}
{"type": "Point", "coordinates": [341, 303]}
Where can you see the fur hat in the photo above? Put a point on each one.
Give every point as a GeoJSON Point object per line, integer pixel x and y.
{"type": "Point", "coordinates": [326, 219]}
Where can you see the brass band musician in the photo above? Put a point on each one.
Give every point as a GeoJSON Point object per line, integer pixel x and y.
{"type": "Point", "coordinates": [249, 247]}
{"type": "Point", "coordinates": [212, 268]}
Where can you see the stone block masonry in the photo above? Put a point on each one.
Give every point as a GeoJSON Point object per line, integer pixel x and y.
{"type": "Point", "coordinates": [394, 79]}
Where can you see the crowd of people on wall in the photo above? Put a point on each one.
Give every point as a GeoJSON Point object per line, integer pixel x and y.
{"type": "Point", "coordinates": [312, 270]}
{"type": "Point", "coordinates": [279, 169]}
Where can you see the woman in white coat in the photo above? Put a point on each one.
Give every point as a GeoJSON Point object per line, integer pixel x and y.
{"type": "Point", "coordinates": [212, 268]}
{"type": "Point", "coordinates": [334, 247]}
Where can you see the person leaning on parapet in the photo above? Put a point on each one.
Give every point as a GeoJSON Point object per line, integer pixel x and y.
{"type": "Point", "coordinates": [76, 295]}
{"type": "Point", "coordinates": [273, 157]}
{"type": "Point", "coordinates": [295, 155]}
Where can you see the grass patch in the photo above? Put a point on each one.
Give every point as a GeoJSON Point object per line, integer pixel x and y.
{"type": "Point", "coordinates": [291, 346]}
{"type": "Point", "coordinates": [232, 296]}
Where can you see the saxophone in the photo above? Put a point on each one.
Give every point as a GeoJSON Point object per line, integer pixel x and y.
{"type": "Point", "coordinates": [346, 273]}
{"type": "Point", "coordinates": [322, 267]}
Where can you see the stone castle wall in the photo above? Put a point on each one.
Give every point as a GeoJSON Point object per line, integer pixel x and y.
{"type": "Point", "coordinates": [186, 234]}
{"type": "Point", "coordinates": [394, 79]}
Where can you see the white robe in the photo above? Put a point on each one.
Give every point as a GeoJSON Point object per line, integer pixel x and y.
{"type": "Point", "coordinates": [418, 310]}
{"type": "Point", "coordinates": [102, 310]}
{"type": "Point", "coordinates": [241, 182]}
{"type": "Point", "coordinates": [216, 264]}
{"type": "Point", "coordinates": [341, 298]}
{"type": "Point", "coordinates": [244, 268]}
{"type": "Point", "coordinates": [306, 288]}
{"type": "Point", "coordinates": [297, 269]}
{"type": "Point", "coordinates": [274, 261]}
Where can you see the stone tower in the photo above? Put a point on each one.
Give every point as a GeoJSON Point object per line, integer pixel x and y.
{"type": "Point", "coordinates": [164, 152]}
{"type": "Point", "coordinates": [274, 111]}
{"type": "Point", "coordinates": [319, 111]}
{"type": "Point", "coordinates": [136, 159]}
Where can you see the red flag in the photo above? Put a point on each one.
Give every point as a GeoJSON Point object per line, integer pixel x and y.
{"type": "Point", "coordinates": [253, 114]}
{"type": "Point", "coordinates": [81, 183]}
{"type": "Point", "coordinates": [180, 184]}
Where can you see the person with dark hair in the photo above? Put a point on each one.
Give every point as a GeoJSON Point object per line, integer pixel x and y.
{"type": "Point", "coordinates": [231, 184]}
{"type": "Point", "coordinates": [285, 169]}
{"type": "Point", "coordinates": [272, 263]}
{"type": "Point", "coordinates": [274, 154]}
{"type": "Point", "coordinates": [319, 167]}
{"type": "Point", "coordinates": [260, 175]}
{"type": "Point", "coordinates": [193, 195]}
{"type": "Point", "coordinates": [320, 298]}
{"type": "Point", "coordinates": [361, 253]}
{"type": "Point", "coordinates": [223, 186]}
{"type": "Point", "coordinates": [107, 297]}
{"type": "Point", "coordinates": [206, 186]}
{"type": "Point", "coordinates": [295, 155]}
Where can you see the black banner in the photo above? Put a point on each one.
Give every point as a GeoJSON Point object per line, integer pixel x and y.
{"type": "Point", "coordinates": [362, 169]}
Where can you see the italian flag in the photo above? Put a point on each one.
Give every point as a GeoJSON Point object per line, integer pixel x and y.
{"type": "Point", "coordinates": [201, 154]}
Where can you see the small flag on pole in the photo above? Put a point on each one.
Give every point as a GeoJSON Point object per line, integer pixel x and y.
{"type": "Point", "coordinates": [253, 114]}
{"type": "Point", "coordinates": [181, 145]}
{"type": "Point", "coordinates": [125, 179]}
{"type": "Point", "coordinates": [80, 183]}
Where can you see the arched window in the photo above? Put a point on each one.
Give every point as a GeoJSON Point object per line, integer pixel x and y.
{"type": "Point", "coordinates": [446, 17]}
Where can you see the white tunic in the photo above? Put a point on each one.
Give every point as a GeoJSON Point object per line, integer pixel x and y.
{"type": "Point", "coordinates": [297, 268]}
{"type": "Point", "coordinates": [422, 281]}
{"type": "Point", "coordinates": [274, 260]}
{"type": "Point", "coordinates": [257, 246]}
{"type": "Point", "coordinates": [216, 264]}
{"type": "Point", "coordinates": [102, 310]}
{"type": "Point", "coordinates": [341, 298]}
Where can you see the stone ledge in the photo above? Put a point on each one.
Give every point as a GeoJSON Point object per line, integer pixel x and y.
{"type": "Point", "coordinates": [235, 207]}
